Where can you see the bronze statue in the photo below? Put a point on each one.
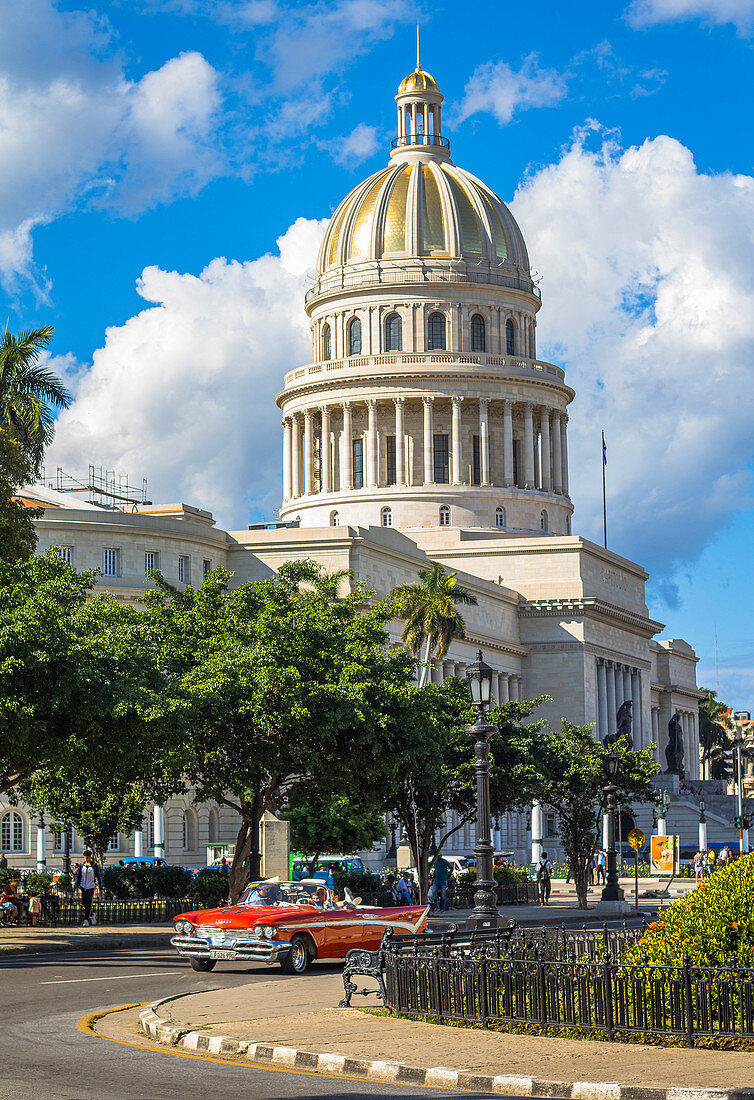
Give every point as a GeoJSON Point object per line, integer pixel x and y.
{"type": "Point", "coordinates": [674, 747]}
{"type": "Point", "coordinates": [624, 726]}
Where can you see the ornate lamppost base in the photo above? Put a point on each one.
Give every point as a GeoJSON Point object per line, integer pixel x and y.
{"type": "Point", "coordinates": [484, 913]}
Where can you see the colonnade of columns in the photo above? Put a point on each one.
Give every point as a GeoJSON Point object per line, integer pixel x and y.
{"type": "Point", "coordinates": [617, 683]}
{"type": "Point", "coordinates": [506, 686]}
{"type": "Point", "coordinates": [689, 728]}
{"type": "Point", "coordinates": [543, 447]}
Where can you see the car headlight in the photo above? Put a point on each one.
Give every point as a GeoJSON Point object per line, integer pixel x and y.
{"type": "Point", "coordinates": [269, 931]}
{"type": "Point", "coordinates": [179, 926]}
{"type": "Point", "coordinates": [183, 926]}
{"type": "Point", "coordinates": [258, 930]}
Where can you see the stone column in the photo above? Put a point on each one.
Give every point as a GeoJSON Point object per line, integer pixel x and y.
{"type": "Point", "coordinates": [546, 456]}
{"type": "Point", "coordinates": [611, 711]}
{"type": "Point", "coordinates": [494, 688]}
{"type": "Point", "coordinates": [295, 457]}
{"type": "Point", "coordinates": [636, 696]}
{"type": "Point", "coordinates": [528, 446]}
{"type": "Point", "coordinates": [504, 688]}
{"type": "Point", "coordinates": [309, 452]}
{"type": "Point", "coordinates": [372, 443]}
{"type": "Point", "coordinates": [508, 443]}
{"type": "Point", "coordinates": [455, 440]}
{"type": "Point", "coordinates": [287, 494]}
{"type": "Point", "coordinates": [626, 684]}
{"type": "Point", "coordinates": [564, 452]}
{"type": "Point", "coordinates": [428, 441]}
{"type": "Point", "coordinates": [159, 832]}
{"type": "Point", "coordinates": [557, 461]}
{"type": "Point", "coordinates": [484, 441]}
{"type": "Point", "coordinates": [326, 486]}
{"type": "Point", "coordinates": [536, 832]}
{"type": "Point", "coordinates": [537, 468]}
{"type": "Point", "coordinates": [41, 844]}
{"type": "Point", "coordinates": [138, 843]}
{"type": "Point", "coordinates": [602, 723]}
{"type": "Point", "coordinates": [346, 450]}
{"type": "Point", "coordinates": [400, 442]}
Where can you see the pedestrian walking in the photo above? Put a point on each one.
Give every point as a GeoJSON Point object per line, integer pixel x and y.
{"type": "Point", "coordinates": [603, 867]}
{"type": "Point", "coordinates": [88, 879]}
{"type": "Point", "coordinates": [442, 869]}
{"type": "Point", "coordinates": [3, 862]}
{"type": "Point", "coordinates": [544, 879]}
{"type": "Point", "coordinates": [724, 856]}
{"type": "Point", "coordinates": [711, 860]}
{"type": "Point", "coordinates": [699, 867]}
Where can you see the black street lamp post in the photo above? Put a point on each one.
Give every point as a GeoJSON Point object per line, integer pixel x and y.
{"type": "Point", "coordinates": [611, 891]}
{"type": "Point", "coordinates": [392, 852]}
{"type": "Point", "coordinates": [485, 914]}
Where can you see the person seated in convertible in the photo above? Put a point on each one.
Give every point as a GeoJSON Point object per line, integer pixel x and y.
{"type": "Point", "coordinates": [265, 893]}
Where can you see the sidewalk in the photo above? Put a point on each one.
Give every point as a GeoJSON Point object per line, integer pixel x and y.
{"type": "Point", "coordinates": [37, 941]}
{"type": "Point", "coordinates": [278, 1021]}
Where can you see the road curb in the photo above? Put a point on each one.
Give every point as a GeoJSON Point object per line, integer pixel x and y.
{"type": "Point", "coordinates": [106, 942]}
{"type": "Point", "coordinates": [155, 1027]}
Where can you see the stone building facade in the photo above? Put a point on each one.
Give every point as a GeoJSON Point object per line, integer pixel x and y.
{"type": "Point", "coordinates": [424, 429]}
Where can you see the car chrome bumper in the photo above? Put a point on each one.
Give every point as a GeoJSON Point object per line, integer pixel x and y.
{"type": "Point", "coordinates": [246, 949]}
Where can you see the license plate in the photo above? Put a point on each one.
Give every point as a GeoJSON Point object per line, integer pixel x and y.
{"type": "Point", "coordinates": [215, 953]}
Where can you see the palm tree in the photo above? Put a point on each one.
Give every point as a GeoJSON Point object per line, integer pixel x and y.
{"type": "Point", "coordinates": [30, 394]}
{"type": "Point", "coordinates": [429, 609]}
{"type": "Point", "coordinates": [714, 737]}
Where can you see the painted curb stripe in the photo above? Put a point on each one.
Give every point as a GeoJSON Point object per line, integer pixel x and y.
{"type": "Point", "coordinates": [438, 1077]}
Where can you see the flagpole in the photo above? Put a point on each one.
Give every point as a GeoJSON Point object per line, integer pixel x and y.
{"type": "Point", "coordinates": [604, 493]}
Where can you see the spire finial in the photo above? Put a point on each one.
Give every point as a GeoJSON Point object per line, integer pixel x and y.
{"type": "Point", "coordinates": [418, 54]}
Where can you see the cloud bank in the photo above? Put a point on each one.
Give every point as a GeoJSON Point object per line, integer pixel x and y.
{"type": "Point", "coordinates": [502, 91]}
{"type": "Point", "coordinates": [649, 13]}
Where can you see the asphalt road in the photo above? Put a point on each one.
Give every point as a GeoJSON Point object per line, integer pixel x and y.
{"type": "Point", "coordinates": [43, 1056]}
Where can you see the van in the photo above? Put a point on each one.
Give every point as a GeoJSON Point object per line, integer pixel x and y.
{"type": "Point", "coordinates": [300, 866]}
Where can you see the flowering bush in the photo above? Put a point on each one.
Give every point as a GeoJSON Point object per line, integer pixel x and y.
{"type": "Point", "coordinates": [711, 923]}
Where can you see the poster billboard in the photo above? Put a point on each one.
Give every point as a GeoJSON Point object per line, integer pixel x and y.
{"type": "Point", "coordinates": [664, 854]}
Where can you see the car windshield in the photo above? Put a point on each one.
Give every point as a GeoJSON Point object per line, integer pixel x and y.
{"type": "Point", "coordinates": [283, 893]}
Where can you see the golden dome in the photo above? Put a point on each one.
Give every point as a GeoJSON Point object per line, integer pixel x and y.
{"type": "Point", "coordinates": [410, 210]}
{"type": "Point", "coordinates": [418, 81]}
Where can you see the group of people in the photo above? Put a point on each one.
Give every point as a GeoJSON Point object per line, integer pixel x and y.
{"type": "Point", "coordinates": [16, 905]}
{"type": "Point", "coordinates": [706, 861]}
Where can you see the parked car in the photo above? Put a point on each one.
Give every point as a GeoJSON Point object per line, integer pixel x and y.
{"type": "Point", "coordinates": [301, 866]}
{"type": "Point", "coordinates": [283, 922]}
{"type": "Point", "coordinates": [141, 861]}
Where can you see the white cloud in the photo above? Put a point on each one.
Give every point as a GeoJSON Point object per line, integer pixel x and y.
{"type": "Point", "coordinates": [356, 147]}
{"type": "Point", "coordinates": [183, 392]}
{"type": "Point", "coordinates": [498, 89]}
{"type": "Point", "coordinates": [648, 13]}
{"type": "Point", "coordinates": [648, 302]}
{"type": "Point", "coordinates": [76, 132]}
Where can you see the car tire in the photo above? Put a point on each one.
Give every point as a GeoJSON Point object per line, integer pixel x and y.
{"type": "Point", "coordinates": [202, 964]}
{"type": "Point", "coordinates": [298, 959]}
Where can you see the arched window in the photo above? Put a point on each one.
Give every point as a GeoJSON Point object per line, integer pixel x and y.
{"type": "Point", "coordinates": [436, 332]}
{"type": "Point", "coordinates": [543, 520]}
{"type": "Point", "coordinates": [326, 343]}
{"type": "Point", "coordinates": [354, 337]}
{"type": "Point", "coordinates": [477, 333]}
{"type": "Point", "coordinates": [334, 519]}
{"type": "Point", "coordinates": [510, 338]}
{"type": "Point", "coordinates": [500, 517]}
{"type": "Point", "coordinates": [12, 832]}
{"type": "Point", "coordinates": [393, 333]}
{"type": "Point", "coordinates": [387, 517]}
{"type": "Point", "coordinates": [445, 516]}
{"type": "Point", "coordinates": [188, 830]}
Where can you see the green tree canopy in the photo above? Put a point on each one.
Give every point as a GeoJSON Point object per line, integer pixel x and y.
{"type": "Point", "coordinates": [431, 617]}
{"type": "Point", "coordinates": [566, 770]}
{"type": "Point", "coordinates": [341, 824]}
{"type": "Point", "coordinates": [30, 394]}
{"type": "Point", "coordinates": [715, 734]}
{"type": "Point", "coordinates": [278, 685]}
{"type": "Point", "coordinates": [17, 535]}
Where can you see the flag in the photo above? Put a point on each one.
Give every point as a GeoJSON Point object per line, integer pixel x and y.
{"type": "Point", "coordinates": [604, 450]}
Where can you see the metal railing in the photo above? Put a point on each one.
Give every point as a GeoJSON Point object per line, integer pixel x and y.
{"type": "Point", "coordinates": [576, 982]}
{"type": "Point", "coordinates": [68, 910]}
{"type": "Point", "coordinates": [420, 139]}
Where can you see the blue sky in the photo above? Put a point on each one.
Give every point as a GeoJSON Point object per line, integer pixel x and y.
{"type": "Point", "coordinates": [168, 164]}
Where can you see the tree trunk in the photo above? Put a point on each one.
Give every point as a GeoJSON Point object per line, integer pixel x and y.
{"type": "Point", "coordinates": [239, 866]}
{"type": "Point", "coordinates": [581, 879]}
{"type": "Point", "coordinates": [255, 855]}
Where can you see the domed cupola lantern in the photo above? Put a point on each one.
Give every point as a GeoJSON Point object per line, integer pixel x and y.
{"type": "Point", "coordinates": [419, 102]}
{"type": "Point", "coordinates": [424, 405]}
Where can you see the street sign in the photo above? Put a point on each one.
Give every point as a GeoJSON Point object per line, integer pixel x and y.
{"type": "Point", "coordinates": [636, 839]}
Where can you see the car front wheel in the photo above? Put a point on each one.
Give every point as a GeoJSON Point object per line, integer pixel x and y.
{"type": "Point", "coordinates": [298, 959]}
{"type": "Point", "coordinates": [202, 964]}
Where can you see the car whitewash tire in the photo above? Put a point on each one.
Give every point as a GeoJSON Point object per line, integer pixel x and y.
{"type": "Point", "coordinates": [202, 964]}
{"type": "Point", "coordinates": [299, 958]}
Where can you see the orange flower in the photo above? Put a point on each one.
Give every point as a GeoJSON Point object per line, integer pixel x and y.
{"type": "Point", "coordinates": [735, 924]}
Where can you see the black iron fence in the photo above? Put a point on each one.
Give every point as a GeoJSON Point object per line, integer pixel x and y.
{"type": "Point", "coordinates": [518, 893]}
{"type": "Point", "coordinates": [575, 982]}
{"type": "Point", "coordinates": [69, 910]}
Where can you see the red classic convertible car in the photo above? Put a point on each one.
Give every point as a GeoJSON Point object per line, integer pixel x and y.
{"type": "Point", "coordinates": [290, 923]}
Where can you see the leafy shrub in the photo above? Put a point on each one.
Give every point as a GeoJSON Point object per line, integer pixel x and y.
{"type": "Point", "coordinates": [7, 874]}
{"type": "Point", "coordinates": [466, 878]}
{"type": "Point", "coordinates": [711, 923]}
{"type": "Point", "coordinates": [359, 882]}
{"type": "Point", "coordinates": [508, 876]}
{"type": "Point", "coordinates": [38, 882]}
{"type": "Point", "coordinates": [210, 887]}
{"type": "Point", "coordinates": [147, 881]}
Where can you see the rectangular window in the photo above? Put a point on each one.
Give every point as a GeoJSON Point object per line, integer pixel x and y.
{"type": "Point", "coordinates": [151, 561]}
{"type": "Point", "coordinates": [442, 466]}
{"type": "Point", "coordinates": [110, 562]}
{"type": "Point", "coordinates": [390, 460]}
{"type": "Point", "coordinates": [114, 843]}
{"type": "Point", "coordinates": [66, 554]}
{"type": "Point", "coordinates": [550, 830]}
{"type": "Point", "coordinates": [476, 461]}
{"type": "Point", "coordinates": [358, 463]}
{"type": "Point", "coordinates": [59, 842]}
{"type": "Point", "coordinates": [184, 571]}
{"type": "Point", "coordinates": [206, 568]}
